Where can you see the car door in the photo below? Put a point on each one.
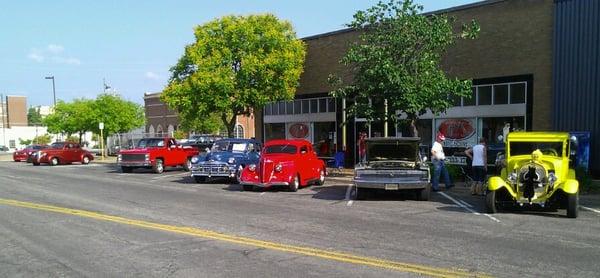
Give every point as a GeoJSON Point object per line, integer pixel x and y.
{"type": "Point", "coordinates": [68, 153]}
{"type": "Point", "coordinates": [77, 152]}
{"type": "Point", "coordinates": [303, 163]}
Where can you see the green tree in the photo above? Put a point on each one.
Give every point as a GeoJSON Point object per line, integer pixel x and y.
{"type": "Point", "coordinates": [117, 114]}
{"type": "Point", "coordinates": [42, 139]}
{"type": "Point", "coordinates": [236, 65]}
{"type": "Point", "coordinates": [33, 116]}
{"type": "Point", "coordinates": [25, 142]}
{"type": "Point", "coordinates": [210, 124]}
{"type": "Point", "coordinates": [397, 60]}
{"type": "Point", "coordinates": [72, 117]}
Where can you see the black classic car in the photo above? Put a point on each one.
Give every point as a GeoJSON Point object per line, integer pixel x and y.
{"type": "Point", "coordinates": [393, 164]}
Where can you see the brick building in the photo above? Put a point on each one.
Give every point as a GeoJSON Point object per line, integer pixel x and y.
{"type": "Point", "coordinates": [162, 120]}
{"type": "Point", "coordinates": [511, 64]}
{"type": "Point", "coordinates": [13, 111]}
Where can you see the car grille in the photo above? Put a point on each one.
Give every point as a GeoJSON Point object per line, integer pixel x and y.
{"type": "Point", "coordinates": [133, 157]}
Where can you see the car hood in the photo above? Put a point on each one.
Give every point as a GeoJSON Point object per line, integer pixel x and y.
{"type": "Point", "coordinates": [222, 156]}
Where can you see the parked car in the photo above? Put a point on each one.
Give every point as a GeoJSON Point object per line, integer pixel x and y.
{"type": "Point", "coordinates": [26, 153]}
{"type": "Point", "coordinates": [537, 173]}
{"type": "Point", "coordinates": [62, 153]}
{"type": "Point", "coordinates": [226, 159]}
{"type": "Point", "coordinates": [393, 164]}
{"type": "Point", "coordinates": [3, 148]}
{"type": "Point", "coordinates": [155, 154]}
{"type": "Point", "coordinates": [289, 163]}
{"type": "Point", "coordinates": [202, 142]}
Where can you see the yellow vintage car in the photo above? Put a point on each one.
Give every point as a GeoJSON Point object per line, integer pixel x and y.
{"type": "Point", "coordinates": [537, 172]}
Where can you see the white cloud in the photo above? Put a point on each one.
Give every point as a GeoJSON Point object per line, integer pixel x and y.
{"type": "Point", "coordinates": [153, 76]}
{"type": "Point", "coordinates": [52, 53]}
{"type": "Point", "coordinates": [55, 48]}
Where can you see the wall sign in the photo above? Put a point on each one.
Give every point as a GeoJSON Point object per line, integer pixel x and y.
{"type": "Point", "coordinates": [299, 130]}
{"type": "Point", "coordinates": [459, 132]}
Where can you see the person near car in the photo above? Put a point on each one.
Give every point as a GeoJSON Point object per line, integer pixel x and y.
{"type": "Point", "coordinates": [439, 167]}
{"type": "Point", "coordinates": [362, 147]}
{"type": "Point", "coordinates": [478, 156]}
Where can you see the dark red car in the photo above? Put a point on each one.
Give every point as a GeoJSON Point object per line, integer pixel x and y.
{"type": "Point", "coordinates": [62, 153]}
{"type": "Point", "coordinates": [25, 153]}
{"type": "Point", "coordinates": [289, 163]}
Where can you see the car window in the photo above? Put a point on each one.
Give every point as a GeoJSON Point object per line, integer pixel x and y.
{"type": "Point", "coordinates": [289, 149]}
{"type": "Point", "coordinates": [151, 142]}
{"type": "Point", "coordinates": [547, 148]}
{"type": "Point", "coordinates": [220, 146]}
{"type": "Point", "coordinates": [251, 147]}
{"type": "Point", "coordinates": [238, 147]}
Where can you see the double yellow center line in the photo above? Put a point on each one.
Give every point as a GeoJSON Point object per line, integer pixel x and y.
{"type": "Point", "coordinates": [313, 252]}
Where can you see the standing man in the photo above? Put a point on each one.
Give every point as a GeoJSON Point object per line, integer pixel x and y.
{"type": "Point", "coordinates": [478, 154]}
{"type": "Point", "coordinates": [437, 159]}
{"type": "Point", "coordinates": [362, 147]}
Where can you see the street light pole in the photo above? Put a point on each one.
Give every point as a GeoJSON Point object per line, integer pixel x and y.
{"type": "Point", "coordinates": [53, 88]}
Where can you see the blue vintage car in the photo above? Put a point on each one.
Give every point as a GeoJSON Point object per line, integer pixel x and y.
{"type": "Point", "coordinates": [226, 159]}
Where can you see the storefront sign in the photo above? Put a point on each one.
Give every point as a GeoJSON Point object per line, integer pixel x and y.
{"type": "Point", "coordinates": [460, 133]}
{"type": "Point", "coordinates": [298, 130]}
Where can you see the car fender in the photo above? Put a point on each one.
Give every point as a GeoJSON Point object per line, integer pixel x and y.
{"type": "Point", "coordinates": [570, 186]}
{"type": "Point", "coordinates": [495, 183]}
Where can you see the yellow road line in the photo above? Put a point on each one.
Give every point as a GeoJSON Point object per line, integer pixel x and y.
{"type": "Point", "coordinates": [313, 252]}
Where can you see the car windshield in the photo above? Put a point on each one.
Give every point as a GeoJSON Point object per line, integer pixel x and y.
{"type": "Point", "coordinates": [57, 145]}
{"type": "Point", "coordinates": [151, 143]}
{"type": "Point", "coordinates": [35, 147]}
{"type": "Point", "coordinates": [228, 146]}
{"type": "Point", "coordinates": [204, 138]}
{"type": "Point", "coordinates": [289, 149]}
{"type": "Point", "coordinates": [547, 148]}
{"type": "Point", "coordinates": [391, 151]}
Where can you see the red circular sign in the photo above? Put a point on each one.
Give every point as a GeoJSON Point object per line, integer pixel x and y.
{"type": "Point", "coordinates": [299, 130]}
{"type": "Point", "coordinates": [456, 129]}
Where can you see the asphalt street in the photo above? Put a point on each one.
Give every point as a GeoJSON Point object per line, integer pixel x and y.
{"type": "Point", "coordinates": [92, 220]}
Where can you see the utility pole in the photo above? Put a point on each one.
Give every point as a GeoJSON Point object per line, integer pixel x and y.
{"type": "Point", "coordinates": [2, 103]}
{"type": "Point", "coordinates": [53, 88]}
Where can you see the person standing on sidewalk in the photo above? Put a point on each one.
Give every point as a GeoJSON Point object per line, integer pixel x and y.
{"type": "Point", "coordinates": [439, 168]}
{"type": "Point", "coordinates": [478, 154]}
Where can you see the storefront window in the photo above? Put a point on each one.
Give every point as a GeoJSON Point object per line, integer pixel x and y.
{"type": "Point", "coordinates": [297, 106]}
{"type": "Point", "coordinates": [324, 138]}
{"type": "Point", "coordinates": [484, 95]}
{"type": "Point", "coordinates": [331, 105]}
{"type": "Point", "coordinates": [281, 108]}
{"type": "Point", "coordinates": [305, 106]}
{"type": "Point", "coordinates": [501, 94]}
{"type": "Point", "coordinates": [274, 131]}
{"type": "Point", "coordinates": [314, 106]}
{"type": "Point", "coordinates": [289, 107]}
{"type": "Point", "coordinates": [491, 128]}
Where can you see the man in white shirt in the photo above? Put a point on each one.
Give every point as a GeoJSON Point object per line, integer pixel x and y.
{"type": "Point", "coordinates": [478, 154]}
{"type": "Point", "coordinates": [439, 168]}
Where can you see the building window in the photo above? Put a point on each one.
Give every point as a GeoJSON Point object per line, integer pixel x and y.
{"type": "Point", "coordinates": [324, 138]}
{"type": "Point", "coordinates": [151, 130]}
{"type": "Point", "coordinates": [12, 144]}
{"type": "Point", "coordinates": [297, 106]}
{"type": "Point", "coordinates": [331, 105]}
{"type": "Point", "coordinates": [517, 93]}
{"type": "Point", "coordinates": [314, 106]}
{"type": "Point", "coordinates": [484, 95]}
{"type": "Point", "coordinates": [269, 109]}
{"type": "Point", "coordinates": [305, 106]}
{"type": "Point", "coordinates": [501, 94]}
{"type": "Point", "coordinates": [322, 105]}
{"type": "Point", "coordinates": [281, 108]}
{"type": "Point", "coordinates": [238, 131]}
{"type": "Point", "coordinates": [289, 107]}
{"type": "Point", "coordinates": [471, 101]}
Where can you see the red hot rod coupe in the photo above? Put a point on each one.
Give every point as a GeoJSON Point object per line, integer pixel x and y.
{"type": "Point", "coordinates": [62, 153]}
{"type": "Point", "coordinates": [289, 163]}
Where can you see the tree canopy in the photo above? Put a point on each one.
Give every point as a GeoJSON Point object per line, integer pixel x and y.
{"type": "Point", "coordinates": [236, 65]}
{"type": "Point", "coordinates": [397, 61]}
{"type": "Point", "coordinates": [33, 116]}
{"type": "Point", "coordinates": [82, 115]}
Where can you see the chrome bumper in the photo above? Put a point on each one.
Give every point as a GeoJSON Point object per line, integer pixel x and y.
{"type": "Point", "coordinates": [213, 170]}
{"type": "Point", "coordinates": [134, 163]}
{"type": "Point", "coordinates": [265, 184]}
{"type": "Point", "coordinates": [390, 184]}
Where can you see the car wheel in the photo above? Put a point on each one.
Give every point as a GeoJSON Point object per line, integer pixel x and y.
{"type": "Point", "coordinates": [490, 202]}
{"type": "Point", "coordinates": [16, 160]}
{"type": "Point", "coordinates": [158, 166]}
{"type": "Point", "coordinates": [248, 187]}
{"type": "Point", "coordinates": [573, 205]}
{"type": "Point", "coordinates": [126, 169]}
{"type": "Point", "coordinates": [424, 194]}
{"type": "Point", "coordinates": [54, 161]}
{"type": "Point", "coordinates": [199, 179]}
{"type": "Point", "coordinates": [188, 165]}
{"type": "Point", "coordinates": [295, 184]}
{"type": "Point", "coordinates": [85, 160]}
{"type": "Point", "coordinates": [238, 174]}
{"type": "Point", "coordinates": [321, 180]}
{"type": "Point", "coordinates": [36, 164]}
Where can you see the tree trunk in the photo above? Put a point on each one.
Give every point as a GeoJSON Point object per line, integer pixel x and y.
{"type": "Point", "coordinates": [80, 136]}
{"type": "Point", "coordinates": [229, 123]}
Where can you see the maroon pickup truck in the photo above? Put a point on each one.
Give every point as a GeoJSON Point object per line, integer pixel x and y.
{"type": "Point", "coordinates": [156, 154]}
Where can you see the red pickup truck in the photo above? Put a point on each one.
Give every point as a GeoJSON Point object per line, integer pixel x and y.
{"type": "Point", "coordinates": [156, 154]}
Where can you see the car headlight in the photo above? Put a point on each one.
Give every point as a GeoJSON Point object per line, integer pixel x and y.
{"type": "Point", "coordinates": [278, 168]}
{"type": "Point", "coordinates": [552, 177]}
{"type": "Point", "coordinates": [231, 160]}
{"type": "Point", "coordinates": [195, 159]}
{"type": "Point", "coordinates": [512, 178]}
{"type": "Point", "coordinates": [119, 157]}
{"type": "Point", "coordinates": [252, 167]}
{"type": "Point", "coordinates": [147, 156]}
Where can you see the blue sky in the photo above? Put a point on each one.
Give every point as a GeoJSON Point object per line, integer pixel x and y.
{"type": "Point", "coordinates": [130, 43]}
